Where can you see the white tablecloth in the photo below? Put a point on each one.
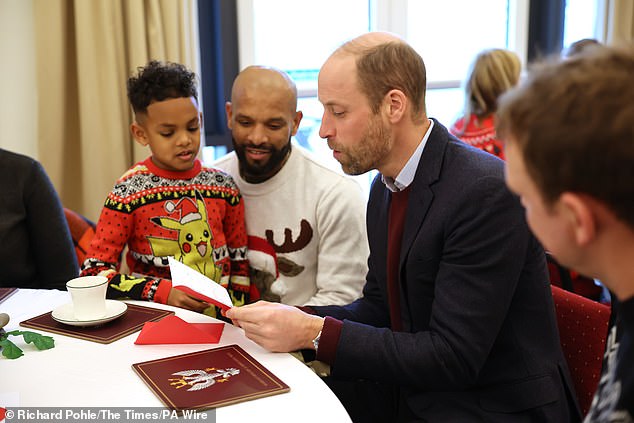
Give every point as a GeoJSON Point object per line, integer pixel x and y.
{"type": "Point", "coordinates": [79, 373]}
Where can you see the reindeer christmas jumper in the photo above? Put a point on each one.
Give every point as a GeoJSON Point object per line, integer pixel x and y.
{"type": "Point", "coordinates": [195, 216]}
{"type": "Point", "coordinates": [313, 222]}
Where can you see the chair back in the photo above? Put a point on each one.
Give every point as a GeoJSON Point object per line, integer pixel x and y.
{"type": "Point", "coordinates": [82, 230]}
{"type": "Point", "coordinates": [583, 329]}
{"type": "Point", "coordinates": [572, 281]}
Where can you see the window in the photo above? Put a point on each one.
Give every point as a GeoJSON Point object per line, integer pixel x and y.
{"type": "Point", "coordinates": [449, 44]}
{"type": "Point", "coordinates": [297, 36]}
{"type": "Point", "coordinates": [580, 20]}
{"type": "Point", "coordinates": [448, 35]}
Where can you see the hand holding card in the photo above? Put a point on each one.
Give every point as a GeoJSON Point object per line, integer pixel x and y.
{"type": "Point", "coordinates": [198, 285]}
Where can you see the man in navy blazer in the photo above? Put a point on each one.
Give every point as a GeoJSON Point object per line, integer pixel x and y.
{"type": "Point", "coordinates": [464, 327]}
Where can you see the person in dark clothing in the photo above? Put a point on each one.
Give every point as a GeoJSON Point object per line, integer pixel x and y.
{"type": "Point", "coordinates": [579, 111]}
{"type": "Point", "coordinates": [456, 322]}
{"type": "Point", "coordinates": [36, 249]}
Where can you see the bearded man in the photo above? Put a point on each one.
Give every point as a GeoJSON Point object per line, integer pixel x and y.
{"type": "Point", "coordinates": [306, 223]}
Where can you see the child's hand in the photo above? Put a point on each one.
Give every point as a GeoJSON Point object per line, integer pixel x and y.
{"type": "Point", "coordinates": [178, 298]}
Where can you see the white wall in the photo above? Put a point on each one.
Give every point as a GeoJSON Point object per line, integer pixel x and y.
{"type": "Point", "coordinates": [18, 84]}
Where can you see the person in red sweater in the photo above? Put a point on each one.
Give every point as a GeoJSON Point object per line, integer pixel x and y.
{"type": "Point", "coordinates": [169, 204]}
{"type": "Point", "coordinates": [492, 73]}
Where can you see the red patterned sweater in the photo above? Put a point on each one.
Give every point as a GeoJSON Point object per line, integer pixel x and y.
{"type": "Point", "coordinates": [196, 216]}
{"type": "Point", "coordinates": [479, 134]}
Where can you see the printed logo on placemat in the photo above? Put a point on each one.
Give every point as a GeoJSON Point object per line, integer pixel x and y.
{"type": "Point", "coordinates": [201, 379]}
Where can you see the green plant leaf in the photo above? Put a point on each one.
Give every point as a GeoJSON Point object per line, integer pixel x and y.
{"type": "Point", "coordinates": [10, 350]}
{"type": "Point", "coordinates": [42, 342]}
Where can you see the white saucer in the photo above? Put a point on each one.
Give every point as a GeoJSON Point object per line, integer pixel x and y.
{"type": "Point", "coordinates": [64, 314]}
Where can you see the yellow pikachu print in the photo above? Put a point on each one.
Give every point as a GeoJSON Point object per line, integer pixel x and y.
{"type": "Point", "coordinates": [193, 246]}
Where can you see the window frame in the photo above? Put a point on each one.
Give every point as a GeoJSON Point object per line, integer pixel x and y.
{"type": "Point", "coordinates": [391, 16]}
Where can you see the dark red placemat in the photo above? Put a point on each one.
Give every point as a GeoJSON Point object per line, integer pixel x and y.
{"type": "Point", "coordinates": [6, 293]}
{"type": "Point", "coordinates": [209, 378]}
{"type": "Point", "coordinates": [130, 322]}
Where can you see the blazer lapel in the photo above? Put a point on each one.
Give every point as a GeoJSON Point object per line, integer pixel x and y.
{"type": "Point", "coordinates": [422, 195]}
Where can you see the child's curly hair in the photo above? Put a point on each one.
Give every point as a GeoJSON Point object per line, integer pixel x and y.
{"type": "Point", "coordinates": [158, 81]}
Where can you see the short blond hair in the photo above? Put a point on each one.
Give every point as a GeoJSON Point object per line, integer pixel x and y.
{"type": "Point", "coordinates": [492, 73]}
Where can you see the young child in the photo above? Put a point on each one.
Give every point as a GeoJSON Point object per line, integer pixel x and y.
{"type": "Point", "coordinates": [169, 204]}
{"type": "Point", "coordinates": [493, 72]}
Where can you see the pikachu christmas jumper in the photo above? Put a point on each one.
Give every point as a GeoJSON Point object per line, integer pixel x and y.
{"type": "Point", "coordinates": [196, 216]}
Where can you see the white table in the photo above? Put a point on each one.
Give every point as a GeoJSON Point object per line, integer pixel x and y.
{"type": "Point", "coordinates": [79, 373]}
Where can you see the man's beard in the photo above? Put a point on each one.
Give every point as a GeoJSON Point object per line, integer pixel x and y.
{"type": "Point", "coordinates": [374, 147]}
{"type": "Point", "coordinates": [259, 172]}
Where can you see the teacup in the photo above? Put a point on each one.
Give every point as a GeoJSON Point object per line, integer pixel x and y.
{"type": "Point", "coordinates": [89, 296]}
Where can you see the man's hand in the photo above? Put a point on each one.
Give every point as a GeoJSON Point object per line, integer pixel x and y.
{"type": "Point", "coordinates": [178, 298]}
{"type": "Point", "coordinates": [277, 327]}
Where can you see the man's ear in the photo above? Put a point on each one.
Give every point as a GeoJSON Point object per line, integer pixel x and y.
{"type": "Point", "coordinates": [581, 217]}
{"type": "Point", "coordinates": [296, 120]}
{"type": "Point", "coordinates": [395, 103]}
{"type": "Point", "coordinates": [139, 134]}
{"type": "Point", "coordinates": [229, 112]}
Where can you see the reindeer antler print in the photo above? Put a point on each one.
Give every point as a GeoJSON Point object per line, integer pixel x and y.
{"type": "Point", "coordinates": [288, 246]}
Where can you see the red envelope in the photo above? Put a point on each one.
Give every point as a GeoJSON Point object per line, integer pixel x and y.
{"type": "Point", "coordinates": [174, 330]}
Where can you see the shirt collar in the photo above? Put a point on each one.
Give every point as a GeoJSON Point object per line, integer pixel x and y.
{"type": "Point", "coordinates": [406, 175]}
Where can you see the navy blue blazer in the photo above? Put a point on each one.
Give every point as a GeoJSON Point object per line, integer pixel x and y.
{"type": "Point", "coordinates": [480, 335]}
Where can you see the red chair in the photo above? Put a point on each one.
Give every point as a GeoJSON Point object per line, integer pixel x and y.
{"type": "Point", "coordinates": [572, 281]}
{"type": "Point", "coordinates": [82, 231]}
{"type": "Point", "coordinates": [583, 329]}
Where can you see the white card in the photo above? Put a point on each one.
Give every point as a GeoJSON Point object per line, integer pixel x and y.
{"type": "Point", "coordinates": [183, 275]}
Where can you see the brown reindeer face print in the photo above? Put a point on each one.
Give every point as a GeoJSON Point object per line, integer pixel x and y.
{"type": "Point", "coordinates": [266, 263]}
